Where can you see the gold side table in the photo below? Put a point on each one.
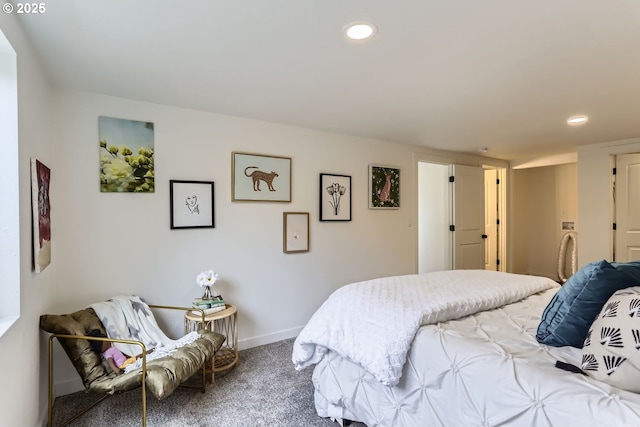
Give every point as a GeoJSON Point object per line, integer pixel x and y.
{"type": "Point", "coordinates": [224, 322]}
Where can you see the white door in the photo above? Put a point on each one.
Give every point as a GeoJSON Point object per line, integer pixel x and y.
{"type": "Point", "coordinates": [434, 217]}
{"type": "Point", "coordinates": [468, 217]}
{"type": "Point", "coordinates": [627, 208]}
{"type": "Point", "coordinates": [491, 219]}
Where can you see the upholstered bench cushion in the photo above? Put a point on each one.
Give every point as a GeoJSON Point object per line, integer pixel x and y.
{"type": "Point", "coordinates": [163, 374]}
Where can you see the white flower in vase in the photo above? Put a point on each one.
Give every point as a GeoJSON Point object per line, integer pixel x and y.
{"type": "Point", "coordinates": [206, 279]}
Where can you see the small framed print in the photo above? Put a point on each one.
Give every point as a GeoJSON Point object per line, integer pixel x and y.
{"type": "Point", "coordinates": [384, 187]}
{"type": "Point", "coordinates": [260, 178]}
{"type": "Point", "coordinates": [192, 204]}
{"type": "Point", "coordinates": [335, 197]}
{"type": "Point", "coordinates": [295, 232]}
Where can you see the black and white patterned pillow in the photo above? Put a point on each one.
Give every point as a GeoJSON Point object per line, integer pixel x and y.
{"type": "Point", "coordinates": [611, 351]}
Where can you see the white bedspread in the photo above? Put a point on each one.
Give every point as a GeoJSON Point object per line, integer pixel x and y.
{"type": "Point", "coordinates": [373, 323]}
{"type": "Point", "coordinates": [486, 369]}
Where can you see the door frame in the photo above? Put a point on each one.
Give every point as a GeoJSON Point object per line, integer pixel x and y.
{"type": "Point", "coordinates": [619, 201]}
{"type": "Point", "coordinates": [491, 219]}
{"type": "Point", "coordinates": [502, 173]}
{"type": "Point", "coordinates": [485, 163]}
{"type": "Point", "coordinates": [417, 159]}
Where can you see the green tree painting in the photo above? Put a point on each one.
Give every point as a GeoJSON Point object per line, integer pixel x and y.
{"type": "Point", "coordinates": [126, 156]}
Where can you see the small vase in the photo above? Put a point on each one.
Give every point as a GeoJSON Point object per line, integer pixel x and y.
{"type": "Point", "coordinates": [207, 293]}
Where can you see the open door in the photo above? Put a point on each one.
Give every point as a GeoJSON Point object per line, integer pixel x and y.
{"type": "Point", "coordinates": [627, 208]}
{"type": "Point", "coordinates": [468, 217]}
{"type": "Point", "coordinates": [491, 219]}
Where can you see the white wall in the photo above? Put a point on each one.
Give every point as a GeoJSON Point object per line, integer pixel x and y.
{"type": "Point", "coordinates": [595, 214]}
{"type": "Point", "coordinates": [543, 197]}
{"type": "Point", "coordinates": [121, 243]}
{"type": "Point", "coordinates": [22, 347]}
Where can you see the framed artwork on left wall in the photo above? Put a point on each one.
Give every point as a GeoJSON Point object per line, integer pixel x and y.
{"type": "Point", "coordinates": [41, 206]}
{"type": "Point", "coordinates": [192, 204]}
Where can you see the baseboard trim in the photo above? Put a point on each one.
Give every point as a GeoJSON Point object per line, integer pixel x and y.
{"type": "Point", "coordinates": [269, 338]}
{"type": "Point", "coordinates": [43, 416]}
{"type": "Point", "coordinates": [69, 386]}
{"type": "Point", "coordinates": [61, 388]}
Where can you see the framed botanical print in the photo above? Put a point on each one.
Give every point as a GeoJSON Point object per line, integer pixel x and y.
{"type": "Point", "coordinates": [335, 197]}
{"type": "Point", "coordinates": [192, 204]}
{"type": "Point", "coordinates": [384, 187]}
{"type": "Point", "coordinates": [263, 178]}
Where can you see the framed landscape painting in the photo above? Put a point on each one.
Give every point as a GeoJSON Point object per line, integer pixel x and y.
{"type": "Point", "coordinates": [126, 156]}
{"type": "Point", "coordinates": [257, 177]}
{"type": "Point", "coordinates": [384, 187]}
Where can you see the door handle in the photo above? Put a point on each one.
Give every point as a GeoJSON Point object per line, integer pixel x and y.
{"type": "Point", "coordinates": [484, 236]}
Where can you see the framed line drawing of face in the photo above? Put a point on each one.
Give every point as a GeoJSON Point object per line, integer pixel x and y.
{"type": "Point", "coordinates": [192, 204]}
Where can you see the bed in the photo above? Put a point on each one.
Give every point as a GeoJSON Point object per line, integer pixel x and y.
{"type": "Point", "coordinates": [449, 349]}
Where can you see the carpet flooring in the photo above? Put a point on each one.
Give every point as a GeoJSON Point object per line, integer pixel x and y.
{"type": "Point", "coordinates": [262, 390]}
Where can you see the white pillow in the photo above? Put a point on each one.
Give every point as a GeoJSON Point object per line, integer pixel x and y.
{"type": "Point", "coordinates": [611, 351]}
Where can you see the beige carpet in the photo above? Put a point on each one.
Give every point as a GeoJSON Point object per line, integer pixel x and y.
{"type": "Point", "coordinates": [262, 390]}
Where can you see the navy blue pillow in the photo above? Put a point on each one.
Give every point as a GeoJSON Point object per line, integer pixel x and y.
{"type": "Point", "coordinates": [632, 268]}
{"type": "Point", "coordinates": [570, 313]}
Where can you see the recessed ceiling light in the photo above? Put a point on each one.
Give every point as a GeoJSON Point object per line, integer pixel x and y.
{"type": "Point", "coordinates": [360, 30]}
{"type": "Point", "coordinates": [577, 120]}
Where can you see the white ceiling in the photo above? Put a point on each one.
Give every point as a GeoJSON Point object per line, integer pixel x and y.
{"type": "Point", "coordinates": [447, 74]}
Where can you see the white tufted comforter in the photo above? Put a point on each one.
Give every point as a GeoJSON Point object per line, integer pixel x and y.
{"type": "Point", "coordinates": [486, 369]}
{"type": "Point", "coordinates": [373, 323]}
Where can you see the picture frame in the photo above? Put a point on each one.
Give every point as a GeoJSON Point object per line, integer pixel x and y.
{"type": "Point", "coordinates": [192, 204]}
{"type": "Point", "coordinates": [384, 187]}
{"type": "Point", "coordinates": [295, 232]}
{"type": "Point", "coordinates": [41, 214]}
{"type": "Point", "coordinates": [127, 160]}
{"type": "Point", "coordinates": [260, 178]}
{"type": "Point", "coordinates": [335, 197]}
